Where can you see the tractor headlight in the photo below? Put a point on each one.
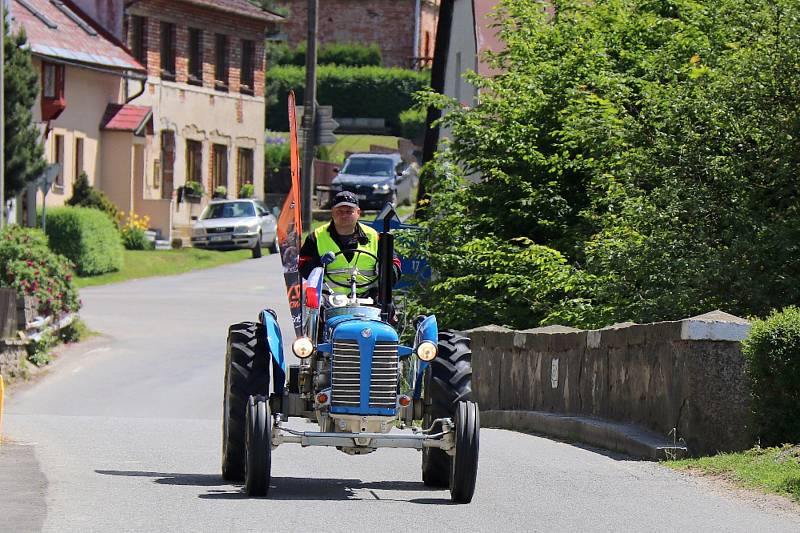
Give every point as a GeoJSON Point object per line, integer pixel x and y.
{"type": "Point", "coordinates": [302, 347]}
{"type": "Point", "coordinates": [426, 351]}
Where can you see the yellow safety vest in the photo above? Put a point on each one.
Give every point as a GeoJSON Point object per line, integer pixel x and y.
{"type": "Point", "coordinates": [340, 269]}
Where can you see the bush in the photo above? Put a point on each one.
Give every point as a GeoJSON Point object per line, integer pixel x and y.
{"type": "Point", "coordinates": [412, 123]}
{"type": "Point", "coordinates": [84, 195]}
{"type": "Point", "coordinates": [367, 92]}
{"type": "Point", "coordinates": [277, 153]}
{"type": "Point", "coordinates": [247, 191]}
{"type": "Point", "coordinates": [342, 54]}
{"type": "Point", "coordinates": [87, 237]}
{"type": "Point", "coordinates": [32, 269]}
{"type": "Point", "coordinates": [773, 363]}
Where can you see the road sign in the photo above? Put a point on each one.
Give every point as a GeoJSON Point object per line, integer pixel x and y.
{"type": "Point", "coordinates": [46, 178]}
{"type": "Point", "coordinates": [324, 126]}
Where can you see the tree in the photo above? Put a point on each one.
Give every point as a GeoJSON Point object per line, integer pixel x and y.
{"type": "Point", "coordinates": [24, 153]}
{"type": "Point", "coordinates": [652, 144]}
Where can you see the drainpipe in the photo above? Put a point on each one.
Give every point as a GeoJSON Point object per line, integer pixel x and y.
{"type": "Point", "coordinates": [417, 7]}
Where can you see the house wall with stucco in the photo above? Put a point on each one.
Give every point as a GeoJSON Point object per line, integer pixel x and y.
{"type": "Point", "coordinates": [86, 93]}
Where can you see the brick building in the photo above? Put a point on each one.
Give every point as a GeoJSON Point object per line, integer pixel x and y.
{"type": "Point", "coordinates": [405, 30]}
{"type": "Point", "coordinates": [205, 84]}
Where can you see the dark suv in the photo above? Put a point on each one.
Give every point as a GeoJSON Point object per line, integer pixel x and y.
{"type": "Point", "coordinates": [375, 179]}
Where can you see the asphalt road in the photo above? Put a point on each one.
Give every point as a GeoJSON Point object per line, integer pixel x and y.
{"type": "Point", "coordinates": [124, 435]}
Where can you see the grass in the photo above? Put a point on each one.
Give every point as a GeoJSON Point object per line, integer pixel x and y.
{"type": "Point", "coordinates": [775, 470]}
{"type": "Point", "coordinates": [143, 264]}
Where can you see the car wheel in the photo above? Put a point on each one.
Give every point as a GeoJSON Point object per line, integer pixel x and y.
{"type": "Point", "coordinates": [275, 247]}
{"type": "Point", "coordinates": [257, 248]}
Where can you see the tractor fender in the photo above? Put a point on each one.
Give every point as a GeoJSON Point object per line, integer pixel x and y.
{"type": "Point", "coordinates": [275, 343]}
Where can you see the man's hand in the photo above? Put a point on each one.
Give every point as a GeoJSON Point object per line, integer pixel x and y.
{"type": "Point", "coordinates": [328, 258]}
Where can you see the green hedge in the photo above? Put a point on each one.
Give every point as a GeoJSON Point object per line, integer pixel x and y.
{"type": "Point", "coordinates": [87, 237]}
{"type": "Point", "coordinates": [344, 54]}
{"type": "Point", "coordinates": [412, 123]}
{"type": "Point", "coordinates": [773, 362]}
{"type": "Point", "coordinates": [372, 92]}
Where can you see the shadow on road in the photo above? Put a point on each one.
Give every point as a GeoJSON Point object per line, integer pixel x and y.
{"type": "Point", "coordinates": [291, 488]}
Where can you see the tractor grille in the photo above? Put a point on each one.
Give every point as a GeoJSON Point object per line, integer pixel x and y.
{"type": "Point", "coordinates": [347, 371]}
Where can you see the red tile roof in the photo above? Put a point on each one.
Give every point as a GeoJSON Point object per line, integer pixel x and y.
{"type": "Point", "coordinates": [58, 29]}
{"type": "Point", "coordinates": [240, 7]}
{"type": "Point", "coordinates": [125, 117]}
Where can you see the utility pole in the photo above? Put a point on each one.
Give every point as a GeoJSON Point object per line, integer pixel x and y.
{"type": "Point", "coordinates": [3, 116]}
{"type": "Point", "coordinates": [309, 115]}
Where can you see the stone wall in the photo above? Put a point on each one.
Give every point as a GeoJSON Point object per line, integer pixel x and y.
{"type": "Point", "coordinates": [686, 375]}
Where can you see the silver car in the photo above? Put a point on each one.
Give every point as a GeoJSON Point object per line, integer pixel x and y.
{"type": "Point", "coordinates": [234, 225]}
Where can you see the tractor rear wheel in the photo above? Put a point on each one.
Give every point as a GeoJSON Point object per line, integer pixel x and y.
{"type": "Point", "coordinates": [448, 381]}
{"type": "Point", "coordinates": [247, 365]}
{"type": "Point", "coordinates": [464, 471]}
{"type": "Point", "coordinates": [258, 447]}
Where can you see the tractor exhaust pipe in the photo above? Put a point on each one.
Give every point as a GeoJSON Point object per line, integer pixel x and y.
{"type": "Point", "coordinates": [386, 257]}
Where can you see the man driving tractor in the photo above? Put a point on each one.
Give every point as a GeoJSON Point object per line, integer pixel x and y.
{"type": "Point", "coordinates": [344, 233]}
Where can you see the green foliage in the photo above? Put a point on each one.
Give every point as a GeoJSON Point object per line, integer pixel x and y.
{"type": "Point", "coordinates": [483, 278]}
{"type": "Point", "coordinates": [28, 266]}
{"type": "Point", "coordinates": [247, 191]}
{"type": "Point", "coordinates": [342, 54]}
{"type": "Point", "coordinates": [374, 92]}
{"type": "Point", "coordinates": [39, 350]}
{"type": "Point", "coordinates": [87, 237]}
{"type": "Point", "coordinates": [277, 153]}
{"type": "Point", "coordinates": [134, 239]}
{"type": "Point", "coordinates": [632, 137]}
{"type": "Point", "coordinates": [84, 195]}
{"type": "Point", "coordinates": [194, 188]}
{"type": "Point", "coordinates": [773, 363]}
{"type": "Point", "coordinates": [24, 154]}
{"type": "Point", "coordinates": [220, 191]}
{"type": "Point", "coordinates": [272, 6]}
{"type": "Point", "coordinates": [774, 469]}
{"type": "Point", "coordinates": [412, 123]}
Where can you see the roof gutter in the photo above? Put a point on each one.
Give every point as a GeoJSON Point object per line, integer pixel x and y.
{"type": "Point", "coordinates": [417, 7]}
{"type": "Point", "coordinates": [127, 75]}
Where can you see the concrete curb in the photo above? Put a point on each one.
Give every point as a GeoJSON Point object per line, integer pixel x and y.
{"type": "Point", "coordinates": [627, 439]}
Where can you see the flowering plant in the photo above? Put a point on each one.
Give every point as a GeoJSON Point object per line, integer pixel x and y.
{"type": "Point", "coordinates": [32, 269]}
{"type": "Point", "coordinates": [132, 229]}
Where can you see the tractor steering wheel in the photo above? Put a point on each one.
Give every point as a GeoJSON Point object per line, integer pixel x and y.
{"type": "Point", "coordinates": [354, 270]}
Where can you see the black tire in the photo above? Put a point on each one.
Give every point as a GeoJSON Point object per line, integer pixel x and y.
{"type": "Point", "coordinates": [448, 381]}
{"type": "Point", "coordinates": [258, 447]}
{"type": "Point", "coordinates": [464, 470]}
{"type": "Point", "coordinates": [247, 365]}
{"type": "Point", "coordinates": [274, 247]}
{"type": "Point", "coordinates": [256, 250]}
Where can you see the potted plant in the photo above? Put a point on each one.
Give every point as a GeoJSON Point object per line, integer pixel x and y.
{"type": "Point", "coordinates": [193, 191]}
{"type": "Point", "coordinates": [247, 191]}
{"type": "Point", "coordinates": [220, 192]}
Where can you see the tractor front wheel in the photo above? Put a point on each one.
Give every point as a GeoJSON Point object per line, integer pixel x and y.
{"type": "Point", "coordinates": [448, 381]}
{"type": "Point", "coordinates": [258, 447]}
{"type": "Point", "coordinates": [247, 364]}
{"type": "Point", "coordinates": [464, 470]}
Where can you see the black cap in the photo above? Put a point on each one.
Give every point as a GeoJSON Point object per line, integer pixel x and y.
{"type": "Point", "coordinates": [345, 198]}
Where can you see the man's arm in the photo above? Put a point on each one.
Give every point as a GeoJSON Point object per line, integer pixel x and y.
{"type": "Point", "coordinates": [309, 256]}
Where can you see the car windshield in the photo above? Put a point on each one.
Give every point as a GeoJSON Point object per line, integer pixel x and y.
{"type": "Point", "coordinates": [369, 166]}
{"type": "Point", "coordinates": [229, 210]}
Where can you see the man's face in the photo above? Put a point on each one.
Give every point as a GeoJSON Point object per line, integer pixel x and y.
{"type": "Point", "coordinates": [345, 215]}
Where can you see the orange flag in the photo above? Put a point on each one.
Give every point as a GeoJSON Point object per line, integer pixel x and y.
{"type": "Point", "coordinates": [290, 227]}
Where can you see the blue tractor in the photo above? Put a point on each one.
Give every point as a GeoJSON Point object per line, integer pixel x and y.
{"type": "Point", "coordinates": [355, 380]}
